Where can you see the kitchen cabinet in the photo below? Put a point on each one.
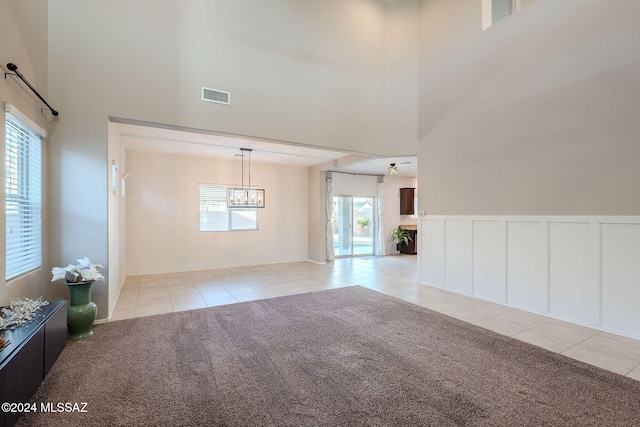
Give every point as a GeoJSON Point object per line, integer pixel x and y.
{"type": "Point", "coordinates": [407, 201]}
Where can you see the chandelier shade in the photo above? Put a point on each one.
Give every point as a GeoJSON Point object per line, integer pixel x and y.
{"type": "Point", "coordinates": [245, 197]}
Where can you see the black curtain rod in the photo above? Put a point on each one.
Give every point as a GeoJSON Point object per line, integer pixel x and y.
{"type": "Point", "coordinates": [14, 68]}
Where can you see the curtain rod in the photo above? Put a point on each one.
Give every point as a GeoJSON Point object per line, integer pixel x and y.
{"type": "Point", "coordinates": [356, 173]}
{"type": "Point", "coordinates": [14, 68]}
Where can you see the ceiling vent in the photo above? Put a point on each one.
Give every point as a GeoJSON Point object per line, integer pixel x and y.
{"type": "Point", "coordinates": [217, 96]}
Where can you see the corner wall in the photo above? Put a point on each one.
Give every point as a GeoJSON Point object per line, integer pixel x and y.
{"type": "Point", "coordinates": [117, 219]}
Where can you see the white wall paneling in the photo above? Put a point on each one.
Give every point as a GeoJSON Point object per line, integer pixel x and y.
{"type": "Point", "coordinates": [523, 261]}
{"type": "Point", "coordinates": [489, 252]}
{"type": "Point", "coordinates": [457, 252]}
{"type": "Point", "coordinates": [620, 273]}
{"type": "Point", "coordinates": [583, 269]}
{"type": "Point", "coordinates": [569, 270]}
{"type": "Point", "coordinates": [431, 252]}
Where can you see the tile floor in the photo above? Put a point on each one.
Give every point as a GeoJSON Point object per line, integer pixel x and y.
{"type": "Point", "coordinates": [392, 275]}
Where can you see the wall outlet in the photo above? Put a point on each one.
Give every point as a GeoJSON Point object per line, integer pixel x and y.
{"type": "Point", "coordinates": [483, 275]}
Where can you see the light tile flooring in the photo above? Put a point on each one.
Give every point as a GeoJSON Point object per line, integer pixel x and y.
{"type": "Point", "coordinates": [392, 275]}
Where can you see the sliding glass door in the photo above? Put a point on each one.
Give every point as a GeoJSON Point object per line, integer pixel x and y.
{"type": "Point", "coordinates": [353, 225]}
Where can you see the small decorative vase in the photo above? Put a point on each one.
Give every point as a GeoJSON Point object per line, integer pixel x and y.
{"type": "Point", "coordinates": [81, 312]}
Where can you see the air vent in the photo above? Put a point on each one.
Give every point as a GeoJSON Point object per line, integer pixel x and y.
{"type": "Point", "coordinates": [217, 96]}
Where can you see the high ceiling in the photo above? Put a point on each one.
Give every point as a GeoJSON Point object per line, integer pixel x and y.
{"type": "Point", "coordinates": [154, 139]}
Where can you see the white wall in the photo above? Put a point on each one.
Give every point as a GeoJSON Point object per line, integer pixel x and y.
{"type": "Point", "coordinates": [303, 72]}
{"type": "Point", "coordinates": [26, 48]}
{"type": "Point", "coordinates": [117, 220]}
{"type": "Point", "coordinates": [582, 269]}
{"type": "Point", "coordinates": [537, 115]}
{"type": "Point", "coordinates": [401, 76]}
{"type": "Point", "coordinates": [347, 184]}
{"type": "Point", "coordinates": [162, 215]}
{"type": "Point", "coordinates": [316, 231]}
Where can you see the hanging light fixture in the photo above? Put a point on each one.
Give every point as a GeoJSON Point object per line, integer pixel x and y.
{"type": "Point", "coordinates": [245, 197]}
{"type": "Point", "coordinates": [393, 169]}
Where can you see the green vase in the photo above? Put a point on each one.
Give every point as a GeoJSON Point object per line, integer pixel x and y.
{"type": "Point", "coordinates": [81, 312]}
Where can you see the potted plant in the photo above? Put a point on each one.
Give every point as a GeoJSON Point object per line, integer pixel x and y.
{"type": "Point", "coordinates": [363, 223]}
{"type": "Point", "coordinates": [400, 236]}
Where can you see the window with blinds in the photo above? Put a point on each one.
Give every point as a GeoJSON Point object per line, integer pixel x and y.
{"type": "Point", "coordinates": [214, 215]}
{"type": "Point", "coordinates": [23, 197]}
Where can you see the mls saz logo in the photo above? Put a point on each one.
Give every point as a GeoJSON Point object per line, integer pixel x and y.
{"type": "Point", "coordinates": [63, 407]}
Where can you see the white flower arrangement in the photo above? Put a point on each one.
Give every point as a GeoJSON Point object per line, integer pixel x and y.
{"type": "Point", "coordinates": [83, 272]}
{"type": "Point", "coordinates": [19, 312]}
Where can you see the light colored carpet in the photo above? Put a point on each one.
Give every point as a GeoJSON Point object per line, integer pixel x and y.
{"type": "Point", "coordinates": [341, 357]}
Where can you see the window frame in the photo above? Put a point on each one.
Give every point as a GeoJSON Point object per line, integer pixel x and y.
{"type": "Point", "coordinates": [221, 206]}
{"type": "Point", "coordinates": [24, 191]}
{"type": "Point", "coordinates": [512, 7]}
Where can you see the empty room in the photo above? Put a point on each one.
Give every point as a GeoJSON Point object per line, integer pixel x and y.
{"type": "Point", "coordinates": [320, 212]}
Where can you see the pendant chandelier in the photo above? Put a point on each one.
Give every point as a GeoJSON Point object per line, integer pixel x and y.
{"type": "Point", "coordinates": [393, 169]}
{"type": "Point", "coordinates": [245, 197]}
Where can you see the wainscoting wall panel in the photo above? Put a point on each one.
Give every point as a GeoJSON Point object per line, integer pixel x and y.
{"type": "Point", "coordinates": [431, 252]}
{"type": "Point", "coordinates": [620, 285]}
{"type": "Point", "coordinates": [489, 253]}
{"type": "Point", "coordinates": [522, 265]}
{"type": "Point", "coordinates": [569, 270]}
{"type": "Point", "coordinates": [583, 269]}
{"type": "Point", "coordinates": [457, 255]}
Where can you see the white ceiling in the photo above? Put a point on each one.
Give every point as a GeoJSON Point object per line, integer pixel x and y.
{"type": "Point", "coordinates": [155, 139]}
{"type": "Point", "coordinates": [407, 166]}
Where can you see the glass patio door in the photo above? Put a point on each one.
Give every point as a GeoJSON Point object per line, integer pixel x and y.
{"type": "Point", "coordinates": [353, 225]}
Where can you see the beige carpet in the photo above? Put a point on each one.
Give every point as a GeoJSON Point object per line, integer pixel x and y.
{"type": "Point", "coordinates": [342, 357]}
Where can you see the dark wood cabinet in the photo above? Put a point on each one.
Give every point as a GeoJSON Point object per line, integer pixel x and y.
{"type": "Point", "coordinates": [411, 247]}
{"type": "Point", "coordinates": [22, 376]}
{"type": "Point", "coordinates": [33, 350]}
{"type": "Point", "coordinates": [55, 333]}
{"type": "Point", "coordinates": [406, 201]}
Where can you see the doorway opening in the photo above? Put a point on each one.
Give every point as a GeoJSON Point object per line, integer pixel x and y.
{"type": "Point", "coordinates": [354, 226]}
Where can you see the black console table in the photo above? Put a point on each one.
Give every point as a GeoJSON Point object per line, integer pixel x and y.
{"type": "Point", "coordinates": [33, 350]}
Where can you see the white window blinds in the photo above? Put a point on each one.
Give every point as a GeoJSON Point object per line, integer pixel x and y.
{"type": "Point", "coordinates": [214, 215]}
{"type": "Point", "coordinates": [23, 197]}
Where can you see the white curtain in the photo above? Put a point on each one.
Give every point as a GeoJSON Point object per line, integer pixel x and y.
{"type": "Point", "coordinates": [329, 213]}
{"type": "Point", "coordinates": [380, 246]}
